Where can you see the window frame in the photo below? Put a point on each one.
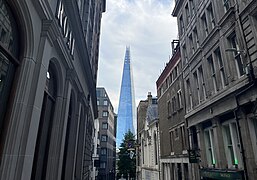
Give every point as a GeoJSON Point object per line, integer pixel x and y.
{"type": "Point", "coordinates": [104, 139]}
{"type": "Point", "coordinates": [105, 103]}
{"type": "Point", "coordinates": [104, 123]}
{"type": "Point", "coordinates": [105, 114]}
{"type": "Point", "coordinates": [211, 16]}
{"type": "Point", "coordinates": [233, 146]}
{"type": "Point", "coordinates": [189, 103]}
{"type": "Point", "coordinates": [179, 97]}
{"type": "Point", "coordinates": [205, 25]}
{"type": "Point", "coordinates": [182, 25]}
{"type": "Point", "coordinates": [238, 59]}
{"type": "Point", "coordinates": [209, 147]}
{"type": "Point", "coordinates": [212, 68]}
{"type": "Point", "coordinates": [221, 66]}
{"type": "Point", "coordinates": [197, 85]}
{"type": "Point", "coordinates": [103, 152]}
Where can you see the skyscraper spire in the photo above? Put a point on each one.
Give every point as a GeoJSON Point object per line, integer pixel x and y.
{"type": "Point", "coordinates": [126, 111]}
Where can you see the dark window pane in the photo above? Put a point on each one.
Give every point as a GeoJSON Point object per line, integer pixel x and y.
{"type": "Point", "coordinates": [8, 30]}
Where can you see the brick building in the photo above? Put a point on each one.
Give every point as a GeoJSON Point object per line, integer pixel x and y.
{"type": "Point", "coordinates": [173, 132]}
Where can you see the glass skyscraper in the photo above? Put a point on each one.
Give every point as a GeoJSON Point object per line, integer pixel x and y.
{"type": "Point", "coordinates": [126, 111]}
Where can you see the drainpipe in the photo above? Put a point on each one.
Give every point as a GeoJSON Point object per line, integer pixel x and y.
{"type": "Point", "coordinates": [159, 149]}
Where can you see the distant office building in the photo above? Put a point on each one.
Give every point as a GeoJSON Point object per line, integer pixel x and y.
{"type": "Point", "coordinates": [126, 110]}
{"type": "Point", "coordinates": [148, 139]}
{"type": "Point", "coordinates": [107, 134]}
{"type": "Point", "coordinates": [219, 61]}
{"type": "Point", "coordinates": [48, 66]}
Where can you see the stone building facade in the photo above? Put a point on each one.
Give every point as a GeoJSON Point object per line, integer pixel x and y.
{"type": "Point", "coordinates": [148, 139]}
{"type": "Point", "coordinates": [173, 130]}
{"type": "Point", "coordinates": [218, 47]}
{"type": "Point", "coordinates": [107, 135]}
{"type": "Point", "coordinates": [48, 66]}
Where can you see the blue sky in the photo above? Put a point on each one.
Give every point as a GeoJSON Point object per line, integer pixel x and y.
{"type": "Point", "coordinates": [148, 28]}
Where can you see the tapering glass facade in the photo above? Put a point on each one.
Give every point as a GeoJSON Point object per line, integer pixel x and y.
{"type": "Point", "coordinates": [126, 110]}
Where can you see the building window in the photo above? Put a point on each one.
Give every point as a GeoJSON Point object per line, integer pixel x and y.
{"type": "Point", "coordinates": [226, 4]}
{"type": "Point", "coordinates": [255, 130]}
{"type": "Point", "coordinates": [196, 38]}
{"type": "Point", "coordinates": [105, 113]}
{"type": "Point", "coordinates": [211, 16]}
{"type": "Point", "coordinates": [9, 54]}
{"type": "Point", "coordinates": [202, 83]}
{"type": "Point", "coordinates": [189, 96]}
{"type": "Point", "coordinates": [254, 126]}
{"type": "Point", "coordinates": [46, 124]}
{"type": "Point", "coordinates": [185, 54]}
{"type": "Point", "coordinates": [171, 141]}
{"type": "Point", "coordinates": [176, 134]}
{"type": "Point", "coordinates": [173, 104]}
{"type": "Point", "coordinates": [105, 102]}
{"type": "Point", "coordinates": [170, 78]}
{"type": "Point", "coordinates": [104, 125]}
{"type": "Point", "coordinates": [143, 151]}
{"type": "Point", "coordinates": [103, 165]}
{"type": "Point", "coordinates": [186, 171]}
{"type": "Point", "coordinates": [104, 138]}
{"type": "Point", "coordinates": [192, 7]}
{"type": "Point", "coordinates": [175, 72]}
{"type": "Point", "coordinates": [155, 148]}
{"type": "Point", "coordinates": [232, 145]}
{"type": "Point", "coordinates": [194, 138]}
{"type": "Point", "coordinates": [179, 95]}
{"type": "Point", "coordinates": [103, 151]}
{"type": "Point", "coordinates": [204, 25]}
{"type": "Point", "coordinates": [221, 67]}
{"type": "Point", "coordinates": [79, 4]}
{"type": "Point", "coordinates": [213, 72]}
{"type": "Point", "coordinates": [182, 27]}
{"type": "Point", "coordinates": [187, 14]}
{"type": "Point", "coordinates": [98, 102]}
{"type": "Point", "coordinates": [237, 55]}
{"type": "Point", "coordinates": [197, 87]}
{"type": "Point", "coordinates": [183, 137]}
{"type": "Point", "coordinates": [209, 142]}
{"type": "Point", "coordinates": [191, 44]}
{"type": "Point", "coordinates": [169, 109]}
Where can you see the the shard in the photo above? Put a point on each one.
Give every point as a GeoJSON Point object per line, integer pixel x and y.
{"type": "Point", "coordinates": [126, 111]}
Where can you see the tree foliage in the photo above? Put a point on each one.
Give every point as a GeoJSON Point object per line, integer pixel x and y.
{"type": "Point", "coordinates": [126, 165]}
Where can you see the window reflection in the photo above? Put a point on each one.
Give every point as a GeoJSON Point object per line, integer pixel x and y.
{"type": "Point", "coordinates": [8, 49]}
{"type": "Point", "coordinates": [8, 30]}
{"type": "Point", "coordinates": [6, 75]}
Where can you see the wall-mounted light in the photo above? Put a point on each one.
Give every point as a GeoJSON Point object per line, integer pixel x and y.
{"type": "Point", "coordinates": [238, 51]}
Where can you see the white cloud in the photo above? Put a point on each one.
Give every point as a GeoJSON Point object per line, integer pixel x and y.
{"type": "Point", "coordinates": [148, 28]}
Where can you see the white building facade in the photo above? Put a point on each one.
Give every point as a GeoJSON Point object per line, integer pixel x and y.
{"type": "Point", "coordinates": [148, 139]}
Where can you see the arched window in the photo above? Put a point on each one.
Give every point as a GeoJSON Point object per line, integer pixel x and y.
{"type": "Point", "coordinates": [155, 149]}
{"type": "Point", "coordinates": [9, 51]}
{"type": "Point", "coordinates": [45, 127]}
